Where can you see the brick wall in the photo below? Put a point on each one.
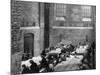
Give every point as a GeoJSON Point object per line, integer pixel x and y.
{"type": "Point", "coordinates": [16, 13]}
{"type": "Point", "coordinates": [73, 35]}
{"type": "Point", "coordinates": [23, 14]}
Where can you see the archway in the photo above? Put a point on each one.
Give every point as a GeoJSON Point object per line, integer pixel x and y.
{"type": "Point", "coordinates": [29, 45]}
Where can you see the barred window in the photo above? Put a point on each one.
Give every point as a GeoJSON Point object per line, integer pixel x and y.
{"type": "Point", "coordinates": [86, 11]}
{"type": "Point", "coordinates": [81, 13]}
{"type": "Point", "coordinates": [60, 11]}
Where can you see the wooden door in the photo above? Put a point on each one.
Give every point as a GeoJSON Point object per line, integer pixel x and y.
{"type": "Point", "coordinates": [29, 44]}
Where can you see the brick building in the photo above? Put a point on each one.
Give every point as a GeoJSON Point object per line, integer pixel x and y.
{"type": "Point", "coordinates": [52, 22]}
{"type": "Point", "coordinates": [36, 26]}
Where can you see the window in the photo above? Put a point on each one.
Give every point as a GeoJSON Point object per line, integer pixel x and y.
{"type": "Point", "coordinates": [60, 12]}
{"type": "Point", "coordinates": [86, 11]}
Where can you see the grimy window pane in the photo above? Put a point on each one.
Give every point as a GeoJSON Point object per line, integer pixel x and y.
{"type": "Point", "coordinates": [60, 9]}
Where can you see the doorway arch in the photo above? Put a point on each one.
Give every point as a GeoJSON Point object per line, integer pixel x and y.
{"type": "Point", "coordinates": [29, 44]}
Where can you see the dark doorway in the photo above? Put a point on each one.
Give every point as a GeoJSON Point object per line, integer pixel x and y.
{"type": "Point", "coordinates": [46, 27]}
{"type": "Point", "coordinates": [29, 45]}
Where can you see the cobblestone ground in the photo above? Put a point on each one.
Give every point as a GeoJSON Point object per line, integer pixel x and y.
{"type": "Point", "coordinates": [70, 64]}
